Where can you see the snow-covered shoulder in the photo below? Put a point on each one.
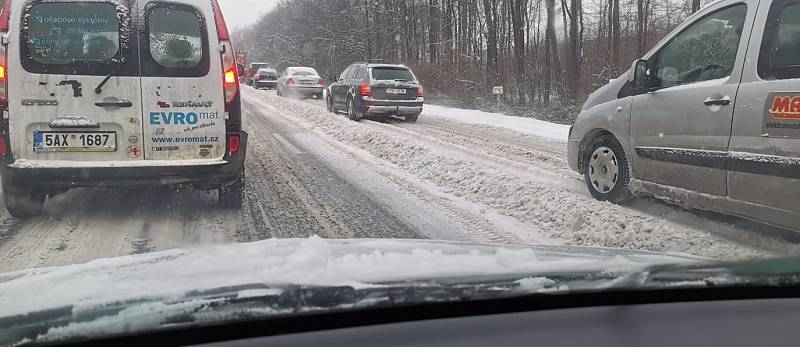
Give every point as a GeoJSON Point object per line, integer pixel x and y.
{"type": "Point", "coordinates": [524, 125]}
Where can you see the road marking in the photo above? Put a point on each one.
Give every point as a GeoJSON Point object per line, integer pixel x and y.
{"type": "Point", "coordinates": [286, 144]}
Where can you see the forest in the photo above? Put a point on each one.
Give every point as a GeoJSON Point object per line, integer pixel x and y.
{"type": "Point", "coordinates": [547, 54]}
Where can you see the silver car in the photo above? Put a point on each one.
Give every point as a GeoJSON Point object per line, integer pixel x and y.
{"type": "Point", "coordinates": [709, 118]}
{"type": "Point", "coordinates": [300, 82]}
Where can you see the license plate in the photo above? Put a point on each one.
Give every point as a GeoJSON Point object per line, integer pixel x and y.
{"type": "Point", "coordinates": [396, 91]}
{"type": "Point", "coordinates": [51, 142]}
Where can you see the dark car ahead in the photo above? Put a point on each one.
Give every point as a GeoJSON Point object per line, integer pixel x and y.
{"type": "Point", "coordinates": [376, 91]}
{"type": "Point", "coordinates": [265, 78]}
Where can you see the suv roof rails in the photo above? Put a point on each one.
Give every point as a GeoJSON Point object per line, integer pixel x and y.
{"type": "Point", "coordinates": [377, 61]}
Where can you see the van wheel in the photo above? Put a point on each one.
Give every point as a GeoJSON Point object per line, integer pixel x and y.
{"type": "Point", "coordinates": [351, 110]}
{"type": "Point", "coordinates": [606, 170]}
{"type": "Point", "coordinates": [232, 194]}
{"type": "Point", "coordinates": [24, 203]}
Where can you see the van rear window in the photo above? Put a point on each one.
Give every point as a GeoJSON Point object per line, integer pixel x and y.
{"type": "Point", "coordinates": [391, 74]}
{"type": "Point", "coordinates": [68, 33]}
{"type": "Point", "coordinates": [175, 37]}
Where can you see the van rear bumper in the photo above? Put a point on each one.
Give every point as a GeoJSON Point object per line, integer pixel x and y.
{"type": "Point", "coordinates": [55, 175]}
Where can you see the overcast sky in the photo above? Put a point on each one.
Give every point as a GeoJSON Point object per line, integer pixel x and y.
{"type": "Point", "coordinates": [242, 12]}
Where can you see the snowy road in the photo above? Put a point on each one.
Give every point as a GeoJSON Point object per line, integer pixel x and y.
{"type": "Point", "coordinates": [311, 172]}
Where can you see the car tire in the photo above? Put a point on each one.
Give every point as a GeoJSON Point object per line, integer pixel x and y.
{"type": "Point", "coordinates": [24, 203]}
{"type": "Point", "coordinates": [351, 110]}
{"type": "Point", "coordinates": [606, 170]}
{"type": "Point", "coordinates": [231, 195]}
{"type": "Point", "coordinates": [411, 119]}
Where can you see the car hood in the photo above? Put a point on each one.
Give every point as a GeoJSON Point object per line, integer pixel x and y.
{"type": "Point", "coordinates": [606, 93]}
{"type": "Point", "coordinates": [313, 261]}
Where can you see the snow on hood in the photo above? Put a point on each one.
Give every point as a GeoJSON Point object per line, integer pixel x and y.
{"type": "Point", "coordinates": [313, 261]}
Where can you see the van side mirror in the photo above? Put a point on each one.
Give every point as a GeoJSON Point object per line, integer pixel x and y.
{"type": "Point", "coordinates": [640, 76]}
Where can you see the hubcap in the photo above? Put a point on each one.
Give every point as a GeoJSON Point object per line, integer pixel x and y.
{"type": "Point", "coordinates": [603, 170]}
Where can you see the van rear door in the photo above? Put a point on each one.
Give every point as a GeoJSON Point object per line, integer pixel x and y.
{"type": "Point", "coordinates": [182, 82]}
{"type": "Point", "coordinates": [75, 72]}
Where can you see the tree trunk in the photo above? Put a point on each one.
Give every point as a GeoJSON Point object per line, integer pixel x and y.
{"type": "Point", "coordinates": [615, 33]}
{"type": "Point", "coordinates": [695, 6]}
{"type": "Point", "coordinates": [517, 19]}
{"type": "Point", "coordinates": [491, 42]}
{"type": "Point", "coordinates": [553, 69]}
{"type": "Point", "coordinates": [640, 27]}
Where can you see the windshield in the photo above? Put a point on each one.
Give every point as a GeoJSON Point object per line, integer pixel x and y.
{"type": "Point", "coordinates": [185, 163]}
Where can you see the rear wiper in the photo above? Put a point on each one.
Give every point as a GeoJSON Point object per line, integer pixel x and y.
{"type": "Point", "coordinates": [99, 88]}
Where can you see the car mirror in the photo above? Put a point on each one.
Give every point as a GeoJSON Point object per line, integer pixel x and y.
{"type": "Point", "coordinates": [639, 76]}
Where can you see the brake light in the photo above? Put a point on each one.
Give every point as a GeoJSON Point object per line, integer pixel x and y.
{"type": "Point", "coordinates": [365, 90]}
{"type": "Point", "coordinates": [5, 16]}
{"type": "Point", "coordinates": [289, 82]}
{"type": "Point", "coordinates": [321, 82]}
{"type": "Point", "coordinates": [3, 148]}
{"type": "Point", "coordinates": [234, 142]}
{"type": "Point", "coordinates": [3, 78]}
{"type": "Point", "coordinates": [230, 79]}
{"type": "Point", "coordinates": [420, 92]}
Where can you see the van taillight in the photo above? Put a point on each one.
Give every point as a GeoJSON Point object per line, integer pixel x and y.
{"type": "Point", "coordinates": [222, 28]}
{"type": "Point", "coordinates": [5, 16]}
{"type": "Point", "coordinates": [234, 142]}
{"type": "Point", "coordinates": [290, 82]}
{"type": "Point", "coordinates": [3, 78]}
{"type": "Point", "coordinates": [365, 90]}
{"type": "Point", "coordinates": [420, 92]}
{"type": "Point", "coordinates": [230, 79]}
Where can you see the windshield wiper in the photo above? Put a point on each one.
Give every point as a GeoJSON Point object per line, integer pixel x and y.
{"type": "Point", "coordinates": [99, 88]}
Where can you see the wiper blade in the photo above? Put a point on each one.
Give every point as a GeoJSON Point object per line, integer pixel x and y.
{"type": "Point", "coordinates": [99, 88]}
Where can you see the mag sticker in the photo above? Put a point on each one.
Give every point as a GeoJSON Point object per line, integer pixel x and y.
{"type": "Point", "coordinates": [782, 115]}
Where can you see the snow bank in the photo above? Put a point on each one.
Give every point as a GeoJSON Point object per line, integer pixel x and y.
{"type": "Point", "coordinates": [553, 211]}
{"type": "Point", "coordinates": [312, 261]}
{"type": "Point", "coordinates": [524, 125]}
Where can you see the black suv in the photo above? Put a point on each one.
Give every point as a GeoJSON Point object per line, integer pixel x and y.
{"type": "Point", "coordinates": [376, 91]}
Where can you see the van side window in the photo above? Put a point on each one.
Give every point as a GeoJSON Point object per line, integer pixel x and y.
{"type": "Point", "coordinates": [175, 38]}
{"type": "Point", "coordinates": [780, 49]}
{"type": "Point", "coordinates": [704, 51]}
{"type": "Point", "coordinates": [176, 42]}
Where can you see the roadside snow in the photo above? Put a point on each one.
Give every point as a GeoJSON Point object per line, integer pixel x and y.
{"type": "Point", "coordinates": [524, 125]}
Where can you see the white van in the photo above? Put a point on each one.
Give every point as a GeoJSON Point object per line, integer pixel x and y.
{"type": "Point", "coordinates": [117, 92]}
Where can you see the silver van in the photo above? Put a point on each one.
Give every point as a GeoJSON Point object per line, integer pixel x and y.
{"type": "Point", "coordinates": [709, 118]}
{"type": "Point", "coordinates": [117, 92]}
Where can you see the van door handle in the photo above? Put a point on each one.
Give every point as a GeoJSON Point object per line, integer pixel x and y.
{"type": "Point", "coordinates": [114, 102]}
{"type": "Point", "coordinates": [718, 101]}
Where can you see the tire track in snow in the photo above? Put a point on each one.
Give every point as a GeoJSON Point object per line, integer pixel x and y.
{"type": "Point", "coordinates": [562, 214]}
